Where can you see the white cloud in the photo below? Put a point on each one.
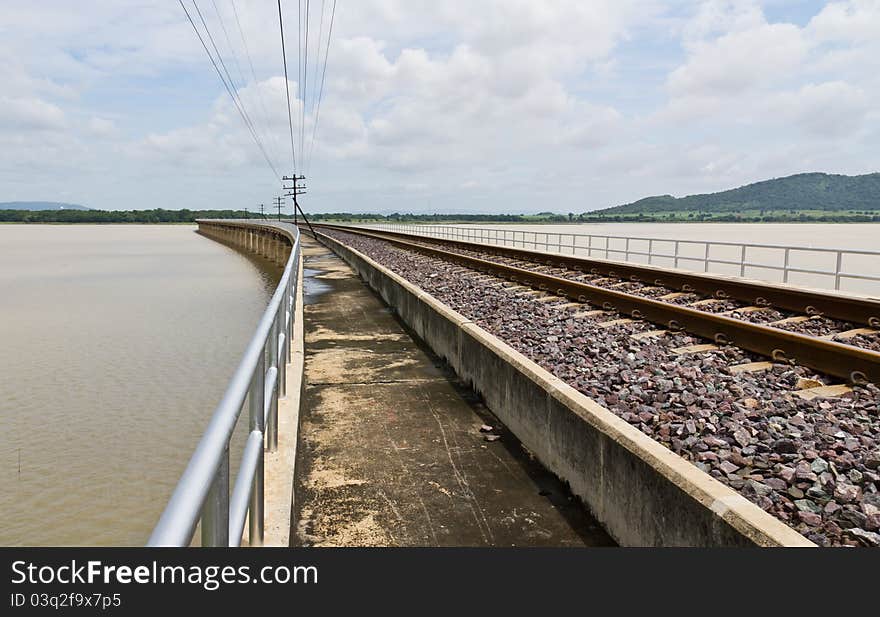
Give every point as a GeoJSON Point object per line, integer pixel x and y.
{"type": "Point", "coordinates": [30, 114]}
{"type": "Point", "coordinates": [432, 104]}
{"type": "Point", "coordinates": [833, 109]}
{"type": "Point", "coordinates": [738, 61]}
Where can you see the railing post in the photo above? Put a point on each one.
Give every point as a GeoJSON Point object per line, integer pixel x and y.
{"type": "Point", "coordinates": [627, 249]}
{"type": "Point", "coordinates": [837, 270]}
{"type": "Point", "coordinates": [256, 401]}
{"type": "Point", "coordinates": [272, 426]}
{"type": "Point", "coordinates": [785, 265]}
{"type": "Point", "coordinates": [676, 254]}
{"type": "Point", "coordinates": [215, 512]}
{"type": "Point", "coordinates": [706, 258]}
{"type": "Point", "coordinates": [742, 261]}
{"type": "Point", "coordinates": [650, 250]}
{"type": "Point", "coordinates": [282, 348]}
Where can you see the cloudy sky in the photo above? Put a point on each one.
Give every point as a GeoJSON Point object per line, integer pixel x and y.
{"type": "Point", "coordinates": [454, 106]}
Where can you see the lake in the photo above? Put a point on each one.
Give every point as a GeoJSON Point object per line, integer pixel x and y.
{"type": "Point", "coordinates": [117, 343]}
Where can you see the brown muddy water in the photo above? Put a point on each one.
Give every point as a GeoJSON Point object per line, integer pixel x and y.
{"type": "Point", "coordinates": [116, 343]}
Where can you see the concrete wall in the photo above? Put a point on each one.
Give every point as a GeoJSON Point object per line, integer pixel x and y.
{"type": "Point", "coordinates": [264, 239]}
{"type": "Point", "coordinates": [643, 493]}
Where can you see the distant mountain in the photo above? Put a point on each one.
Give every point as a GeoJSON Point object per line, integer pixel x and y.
{"type": "Point", "coordinates": [39, 205]}
{"type": "Point", "coordinates": [811, 191]}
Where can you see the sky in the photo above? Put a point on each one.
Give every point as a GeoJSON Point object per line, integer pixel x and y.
{"type": "Point", "coordinates": [497, 106]}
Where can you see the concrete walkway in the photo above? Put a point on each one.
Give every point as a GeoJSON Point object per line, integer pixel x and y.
{"type": "Point", "coordinates": [391, 452]}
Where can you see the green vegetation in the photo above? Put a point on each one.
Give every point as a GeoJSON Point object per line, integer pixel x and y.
{"type": "Point", "coordinates": [813, 196]}
{"type": "Point", "coordinates": [188, 216]}
{"type": "Point", "coordinates": [748, 216]}
{"type": "Point", "coordinates": [116, 216]}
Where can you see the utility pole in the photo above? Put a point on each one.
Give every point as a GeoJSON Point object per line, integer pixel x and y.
{"type": "Point", "coordinates": [295, 190]}
{"type": "Point", "coordinates": [262, 213]}
{"type": "Point", "coordinates": [279, 201]}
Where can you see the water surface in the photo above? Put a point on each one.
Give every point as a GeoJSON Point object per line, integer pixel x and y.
{"type": "Point", "coordinates": [116, 342]}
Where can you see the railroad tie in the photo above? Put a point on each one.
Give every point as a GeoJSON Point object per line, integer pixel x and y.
{"type": "Point", "coordinates": [673, 295]}
{"type": "Point", "coordinates": [823, 391]}
{"type": "Point", "coordinates": [795, 319]}
{"type": "Point", "coordinates": [695, 348]}
{"type": "Point", "coordinates": [614, 322]}
{"type": "Point", "coordinates": [851, 333]}
{"type": "Point", "coordinates": [549, 297]}
{"type": "Point", "coordinates": [648, 334]}
{"type": "Point", "coordinates": [592, 313]}
{"type": "Point", "coordinates": [744, 309]}
{"type": "Point", "coordinates": [706, 302]}
{"type": "Point", "coordinates": [568, 305]}
{"type": "Point", "coordinates": [750, 367]}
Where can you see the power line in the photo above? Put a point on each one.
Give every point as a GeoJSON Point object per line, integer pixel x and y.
{"type": "Point", "coordinates": [223, 64]}
{"type": "Point", "coordinates": [287, 86]}
{"type": "Point", "coordinates": [231, 87]}
{"type": "Point", "coordinates": [241, 78]}
{"type": "Point", "coordinates": [299, 23]}
{"type": "Point", "coordinates": [318, 54]}
{"type": "Point", "coordinates": [305, 95]}
{"type": "Point", "coordinates": [321, 91]}
{"type": "Point", "coordinates": [228, 89]}
{"type": "Point", "coordinates": [260, 98]}
{"type": "Point", "coordinates": [228, 42]}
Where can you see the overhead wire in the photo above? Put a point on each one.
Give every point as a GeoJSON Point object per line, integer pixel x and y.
{"type": "Point", "coordinates": [318, 53]}
{"type": "Point", "coordinates": [305, 95]}
{"type": "Point", "coordinates": [321, 90]}
{"type": "Point", "coordinates": [287, 89]}
{"type": "Point", "coordinates": [299, 32]}
{"type": "Point", "coordinates": [232, 88]}
{"type": "Point", "coordinates": [260, 98]}
{"type": "Point", "coordinates": [229, 90]}
{"type": "Point", "coordinates": [257, 125]}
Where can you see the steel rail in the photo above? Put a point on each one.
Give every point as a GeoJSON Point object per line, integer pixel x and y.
{"type": "Point", "coordinates": [202, 493]}
{"type": "Point", "coordinates": [865, 311]}
{"type": "Point", "coordinates": [845, 361]}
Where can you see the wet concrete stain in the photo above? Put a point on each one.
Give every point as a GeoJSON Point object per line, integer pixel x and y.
{"type": "Point", "coordinates": [391, 450]}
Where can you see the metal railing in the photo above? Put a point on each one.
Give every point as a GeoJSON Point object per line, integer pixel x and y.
{"type": "Point", "coordinates": [818, 267]}
{"type": "Point", "coordinates": [203, 490]}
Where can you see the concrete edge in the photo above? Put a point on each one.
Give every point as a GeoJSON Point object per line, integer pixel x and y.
{"type": "Point", "coordinates": [720, 516]}
{"type": "Point", "coordinates": [281, 464]}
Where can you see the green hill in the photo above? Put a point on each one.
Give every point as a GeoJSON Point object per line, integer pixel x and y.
{"type": "Point", "coordinates": [810, 192]}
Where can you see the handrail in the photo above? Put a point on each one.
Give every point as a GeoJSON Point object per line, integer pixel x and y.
{"type": "Point", "coordinates": [621, 247]}
{"type": "Point", "coordinates": [202, 493]}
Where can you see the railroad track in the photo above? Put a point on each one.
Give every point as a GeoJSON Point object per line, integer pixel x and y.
{"type": "Point", "coordinates": [546, 273]}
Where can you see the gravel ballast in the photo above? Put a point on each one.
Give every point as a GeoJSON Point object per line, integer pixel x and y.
{"type": "Point", "coordinates": [817, 325]}
{"type": "Point", "coordinates": [814, 464]}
